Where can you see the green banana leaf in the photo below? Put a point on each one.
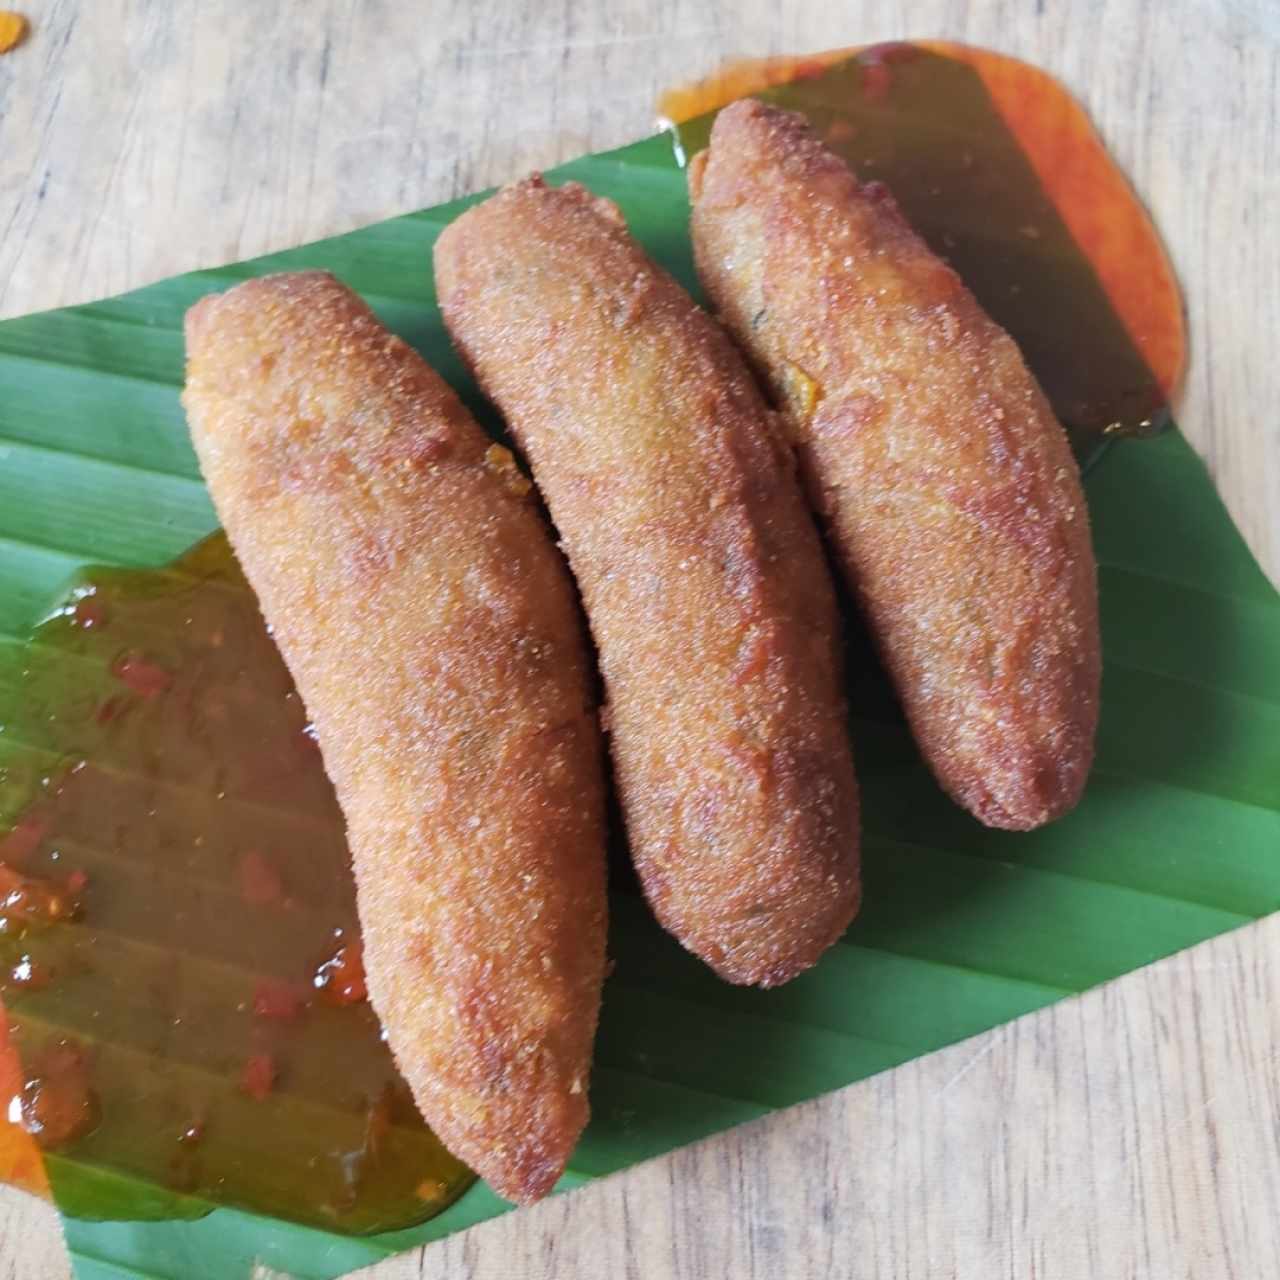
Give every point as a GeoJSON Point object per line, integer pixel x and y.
{"type": "Point", "coordinates": [1177, 839]}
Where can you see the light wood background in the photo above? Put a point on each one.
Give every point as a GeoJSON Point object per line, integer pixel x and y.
{"type": "Point", "coordinates": [1132, 1132]}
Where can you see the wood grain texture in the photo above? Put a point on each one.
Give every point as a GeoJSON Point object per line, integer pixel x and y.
{"type": "Point", "coordinates": [1132, 1132]}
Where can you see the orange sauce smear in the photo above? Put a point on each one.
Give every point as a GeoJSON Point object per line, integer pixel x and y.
{"type": "Point", "coordinates": [1091, 194]}
{"type": "Point", "coordinates": [13, 30]}
{"type": "Point", "coordinates": [21, 1163]}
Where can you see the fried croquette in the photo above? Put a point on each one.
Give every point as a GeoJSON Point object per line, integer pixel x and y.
{"type": "Point", "coordinates": [949, 492]}
{"type": "Point", "coordinates": [699, 565]}
{"type": "Point", "coordinates": [431, 627]}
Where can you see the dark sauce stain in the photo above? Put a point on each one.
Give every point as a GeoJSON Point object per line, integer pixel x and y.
{"type": "Point", "coordinates": [997, 166]}
{"type": "Point", "coordinates": [179, 948]}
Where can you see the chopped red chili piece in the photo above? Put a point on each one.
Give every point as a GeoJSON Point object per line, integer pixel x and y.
{"type": "Point", "coordinates": [141, 675]}
{"type": "Point", "coordinates": [57, 1104]}
{"type": "Point", "coordinates": [259, 1076]}
{"type": "Point", "coordinates": [260, 883]}
{"type": "Point", "coordinates": [23, 840]}
{"type": "Point", "coordinates": [340, 978]}
{"type": "Point", "coordinates": [276, 998]}
{"type": "Point", "coordinates": [89, 612]}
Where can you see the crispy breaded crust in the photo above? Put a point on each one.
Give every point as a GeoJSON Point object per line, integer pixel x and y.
{"type": "Point", "coordinates": [947, 486]}
{"type": "Point", "coordinates": [431, 627]}
{"type": "Point", "coordinates": [700, 568]}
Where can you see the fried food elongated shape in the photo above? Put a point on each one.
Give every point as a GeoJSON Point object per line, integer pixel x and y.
{"type": "Point", "coordinates": [431, 628]}
{"type": "Point", "coordinates": [699, 565]}
{"type": "Point", "coordinates": [947, 487]}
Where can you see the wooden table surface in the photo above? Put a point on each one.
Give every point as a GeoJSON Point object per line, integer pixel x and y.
{"type": "Point", "coordinates": [1130, 1132]}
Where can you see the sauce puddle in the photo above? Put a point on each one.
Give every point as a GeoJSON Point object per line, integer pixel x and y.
{"type": "Point", "coordinates": [179, 949]}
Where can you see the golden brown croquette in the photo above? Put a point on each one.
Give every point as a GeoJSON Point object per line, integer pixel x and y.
{"type": "Point", "coordinates": [699, 565]}
{"type": "Point", "coordinates": [432, 630]}
{"type": "Point", "coordinates": [948, 489]}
